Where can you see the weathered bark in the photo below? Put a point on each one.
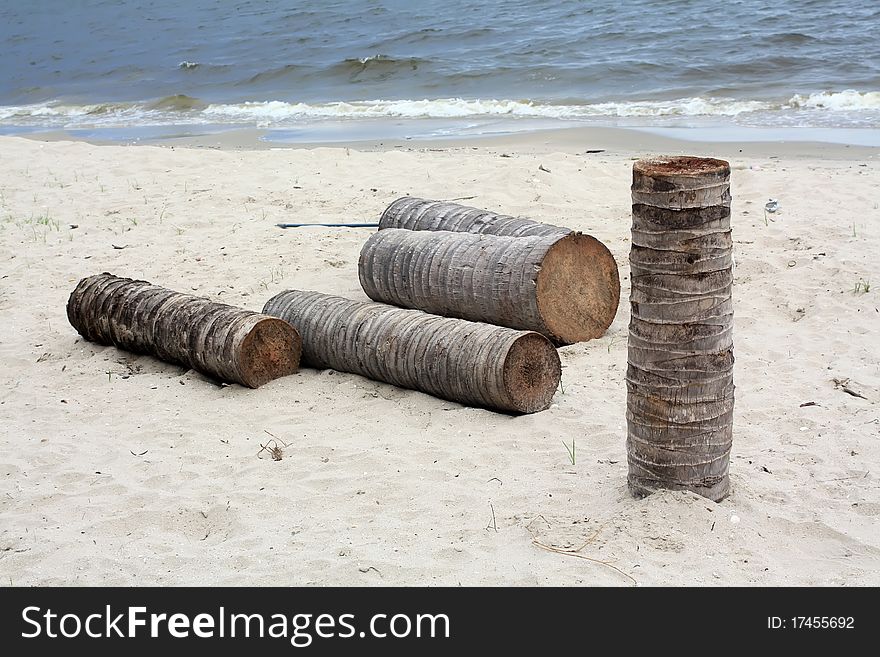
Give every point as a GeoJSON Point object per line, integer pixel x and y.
{"type": "Point", "coordinates": [563, 286]}
{"type": "Point", "coordinates": [223, 341]}
{"type": "Point", "coordinates": [421, 214]}
{"type": "Point", "coordinates": [680, 371]}
{"type": "Point", "coordinates": [467, 362]}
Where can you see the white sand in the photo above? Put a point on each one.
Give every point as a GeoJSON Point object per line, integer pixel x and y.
{"type": "Point", "coordinates": [119, 469]}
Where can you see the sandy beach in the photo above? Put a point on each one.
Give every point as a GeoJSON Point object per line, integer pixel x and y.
{"type": "Point", "coordinates": [119, 469]}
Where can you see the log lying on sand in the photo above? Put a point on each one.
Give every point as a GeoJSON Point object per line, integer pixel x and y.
{"type": "Point", "coordinates": [467, 362]}
{"type": "Point", "coordinates": [565, 286]}
{"type": "Point", "coordinates": [680, 372]}
{"type": "Point", "coordinates": [421, 214]}
{"type": "Point", "coordinates": [229, 343]}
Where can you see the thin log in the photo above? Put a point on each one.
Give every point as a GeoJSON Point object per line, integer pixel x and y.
{"type": "Point", "coordinates": [468, 362]}
{"type": "Point", "coordinates": [421, 214]}
{"type": "Point", "coordinates": [229, 343]}
{"type": "Point", "coordinates": [565, 286]}
{"type": "Point", "coordinates": [680, 355]}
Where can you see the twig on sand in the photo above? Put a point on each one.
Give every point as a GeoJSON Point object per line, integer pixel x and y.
{"type": "Point", "coordinates": [274, 450]}
{"type": "Point", "coordinates": [461, 198]}
{"type": "Point", "coordinates": [591, 539]}
{"type": "Point", "coordinates": [547, 522]}
{"type": "Point", "coordinates": [576, 553]}
{"type": "Point", "coordinates": [571, 553]}
{"type": "Point", "coordinates": [858, 476]}
{"type": "Point", "coordinates": [843, 384]}
{"type": "Point", "coordinates": [494, 525]}
{"type": "Point", "coordinates": [852, 392]}
{"type": "Point", "coordinates": [272, 435]}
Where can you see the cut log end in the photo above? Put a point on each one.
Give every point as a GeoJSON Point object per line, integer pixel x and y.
{"type": "Point", "coordinates": [685, 165]}
{"type": "Point", "coordinates": [271, 349]}
{"type": "Point", "coordinates": [715, 490]}
{"type": "Point", "coordinates": [578, 289]}
{"type": "Point", "coordinates": [532, 370]}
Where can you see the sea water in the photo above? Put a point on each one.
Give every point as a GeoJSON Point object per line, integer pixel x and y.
{"type": "Point", "coordinates": [427, 69]}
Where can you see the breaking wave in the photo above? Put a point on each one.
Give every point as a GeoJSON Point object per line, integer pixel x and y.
{"type": "Point", "coordinates": [182, 109]}
{"type": "Point", "coordinates": [178, 103]}
{"type": "Point", "coordinates": [842, 101]}
{"type": "Point", "coordinates": [462, 108]}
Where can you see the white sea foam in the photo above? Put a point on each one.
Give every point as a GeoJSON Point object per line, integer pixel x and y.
{"type": "Point", "coordinates": [681, 107]}
{"type": "Point", "coordinates": [848, 100]}
{"type": "Point", "coordinates": [857, 106]}
{"type": "Point", "coordinates": [51, 111]}
{"type": "Point", "coordinates": [460, 108]}
{"type": "Point", "coordinates": [410, 109]}
{"type": "Point", "coordinates": [47, 110]}
{"type": "Point", "coordinates": [272, 111]}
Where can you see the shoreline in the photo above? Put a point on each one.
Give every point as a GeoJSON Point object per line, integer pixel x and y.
{"type": "Point", "coordinates": [573, 140]}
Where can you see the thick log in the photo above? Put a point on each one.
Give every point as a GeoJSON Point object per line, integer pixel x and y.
{"type": "Point", "coordinates": [421, 214]}
{"type": "Point", "coordinates": [229, 343]}
{"type": "Point", "coordinates": [680, 388]}
{"type": "Point", "coordinates": [565, 286]}
{"type": "Point", "coordinates": [467, 362]}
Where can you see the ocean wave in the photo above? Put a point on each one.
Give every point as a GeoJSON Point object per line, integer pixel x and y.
{"type": "Point", "coordinates": [410, 109]}
{"type": "Point", "coordinates": [354, 69]}
{"type": "Point", "coordinates": [682, 107]}
{"type": "Point", "coordinates": [279, 73]}
{"type": "Point", "coordinates": [848, 100]}
{"type": "Point", "coordinates": [178, 103]}
{"type": "Point", "coordinates": [461, 108]}
{"type": "Point", "coordinates": [383, 61]}
{"type": "Point", "coordinates": [378, 67]}
{"type": "Point", "coordinates": [186, 109]}
{"type": "Point", "coordinates": [56, 111]}
{"type": "Point", "coordinates": [269, 111]}
{"type": "Point", "coordinates": [789, 38]}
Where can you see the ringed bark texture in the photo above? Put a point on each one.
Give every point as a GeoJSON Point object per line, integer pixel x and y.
{"type": "Point", "coordinates": [680, 367]}
{"type": "Point", "coordinates": [421, 214]}
{"type": "Point", "coordinates": [229, 343]}
{"type": "Point", "coordinates": [565, 286]}
{"type": "Point", "coordinates": [468, 362]}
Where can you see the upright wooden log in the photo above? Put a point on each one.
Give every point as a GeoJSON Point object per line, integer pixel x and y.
{"type": "Point", "coordinates": [412, 213]}
{"type": "Point", "coordinates": [467, 362]}
{"type": "Point", "coordinates": [680, 372]}
{"type": "Point", "coordinates": [223, 341]}
{"type": "Point", "coordinates": [564, 286]}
